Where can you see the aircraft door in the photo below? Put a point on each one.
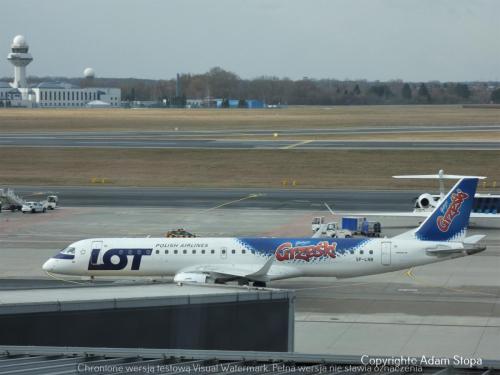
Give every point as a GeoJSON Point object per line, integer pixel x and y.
{"type": "Point", "coordinates": [386, 253]}
{"type": "Point", "coordinates": [96, 245]}
{"type": "Point", "coordinates": [223, 252]}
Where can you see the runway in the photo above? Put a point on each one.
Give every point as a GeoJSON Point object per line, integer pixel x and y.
{"type": "Point", "coordinates": [351, 130]}
{"type": "Point", "coordinates": [297, 199]}
{"type": "Point", "coordinates": [174, 142]}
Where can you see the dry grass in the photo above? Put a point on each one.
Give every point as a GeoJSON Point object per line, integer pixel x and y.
{"type": "Point", "coordinates": [233, 168]}
{"type": "Point", "coordinates": [22, 120]}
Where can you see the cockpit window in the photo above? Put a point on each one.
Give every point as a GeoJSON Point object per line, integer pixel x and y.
{"type": "Point", "coordinates": [68, 250]}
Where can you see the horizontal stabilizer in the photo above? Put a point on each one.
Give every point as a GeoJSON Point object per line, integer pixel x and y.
{"type": "Point", "coordinates": [473, 239]}
{"type": "Point", "coordinates": [443, 250]}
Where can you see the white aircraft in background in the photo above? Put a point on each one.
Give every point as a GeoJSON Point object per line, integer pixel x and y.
{"type": "Point", "coordinates": [485, 209]}
{"type": "Point", "coordinates": [442, 236]}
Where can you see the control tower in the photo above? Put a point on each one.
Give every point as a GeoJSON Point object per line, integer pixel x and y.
{"type": "Point", "coordinates": [19, 57]}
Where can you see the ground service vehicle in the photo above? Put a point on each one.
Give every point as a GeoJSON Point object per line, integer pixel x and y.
{"type": "Point", "coordinates": [350, 226]}
{"type": "Point", "coordinates": [332, 230]}
{"type": "Point", "coordinates": [34, 207]}
{"type": "Point", "coordinates": [52, 202]}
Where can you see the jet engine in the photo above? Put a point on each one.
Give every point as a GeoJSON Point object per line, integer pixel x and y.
{"type": "Point", "coordinates": [190, 277]}
{"type": "Point", "coordinates": [425, 201]}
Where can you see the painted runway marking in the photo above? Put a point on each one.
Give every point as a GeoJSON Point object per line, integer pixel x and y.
{"type": "Point", "coordinates": [296, 144]}
{"type": "Point", "coordinates": [235, 201]}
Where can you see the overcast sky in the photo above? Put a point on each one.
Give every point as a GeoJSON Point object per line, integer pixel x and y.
{"type": "Point", "coordinates": [414, 40]}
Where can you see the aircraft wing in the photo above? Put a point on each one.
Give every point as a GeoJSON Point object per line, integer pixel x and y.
{"type": "Point", "coordinates": [255, 272]}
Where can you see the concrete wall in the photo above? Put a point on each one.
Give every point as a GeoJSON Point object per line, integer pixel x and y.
{"type": "Point", "coordinates": [256, 325]}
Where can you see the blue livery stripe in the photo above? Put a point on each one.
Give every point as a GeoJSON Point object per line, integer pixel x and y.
{"type": "Point", "coordinates": [302, 249]}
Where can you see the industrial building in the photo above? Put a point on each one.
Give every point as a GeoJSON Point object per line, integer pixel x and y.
{"type": "Point", "coordinates": [50, 94]}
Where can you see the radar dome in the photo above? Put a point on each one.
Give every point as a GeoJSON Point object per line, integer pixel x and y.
{"type": "Point", "coordinates": [19, 41]}
{"type": "Point", "coordinates": [89, 73]}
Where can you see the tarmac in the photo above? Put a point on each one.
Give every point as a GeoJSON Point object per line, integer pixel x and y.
{"type": "Point", "coordinates": [208, 198]}
{"type": "Point", "coordinates": [444, 309]}
{"type": "Point", "coordinates": [72, 141]}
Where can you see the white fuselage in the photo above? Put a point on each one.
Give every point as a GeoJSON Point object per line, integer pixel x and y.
{"type": "Point", "coordinates": [292, 257]}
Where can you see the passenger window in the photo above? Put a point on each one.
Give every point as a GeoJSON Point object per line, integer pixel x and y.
{"type": "Point", "coordinates": [223, 251]}
{"type": "Point", "coordinates": [175, 251]}
{"type": "Point", "coordinates": [361, 252]}
{"type": "Point", "coordinates": [194, 251]}
{"type": "Point", "coordinates": [203, 251]}
{"type": "Point", "coordinates": [243, 251]}
{"type": "Point", "coordinates": [184, 251]}
{"type": "Point", "coordinates": [371, 251]}
{"type": "Point", "coordinates": [157, 251]}
{"type": "Point", "coordinates": [166, 251]}
{"type": "Point", "coordinates": [212, 251]}
{"type": "Point", "coordinates": [233, 251]}
{"type": "Point", "coordinates": [352, 251]}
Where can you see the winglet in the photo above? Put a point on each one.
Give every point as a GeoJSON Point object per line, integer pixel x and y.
{"type": "Point", "coordinates": [264, 270]}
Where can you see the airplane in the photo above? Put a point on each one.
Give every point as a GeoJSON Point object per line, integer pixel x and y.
{"type": "Point", "coordinates": [442, 236]}
{"type": "Point", "coordinates": [485, 210]}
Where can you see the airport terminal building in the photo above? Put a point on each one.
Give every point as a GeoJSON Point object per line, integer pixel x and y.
{"type": "Point", "coordinates": [50, 94]}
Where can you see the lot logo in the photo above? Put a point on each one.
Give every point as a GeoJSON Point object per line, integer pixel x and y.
{"type": "Point", "coordinates": [117, 259]}
{"type": "Point", "coordinates": [457, 199]}
{"type": "Point", "coordinates": [322, 249]}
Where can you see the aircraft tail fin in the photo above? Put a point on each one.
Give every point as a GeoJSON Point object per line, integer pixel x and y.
{"type": "Point", "coordinates": [449, 220]}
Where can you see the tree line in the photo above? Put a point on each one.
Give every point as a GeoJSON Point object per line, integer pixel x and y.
{"type": "Point", "coordinates": [219, 83]}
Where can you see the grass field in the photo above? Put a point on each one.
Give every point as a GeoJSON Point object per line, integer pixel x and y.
{"type": "Point", "coordinates": [47, 120]}
{"type": "Point", "coordinates": [252, 168]}
{"type": "Point", "coordinates": [233, 168]}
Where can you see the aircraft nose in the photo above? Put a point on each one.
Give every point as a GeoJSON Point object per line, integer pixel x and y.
{"type": "Point", "coordinates": [48, 265]}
